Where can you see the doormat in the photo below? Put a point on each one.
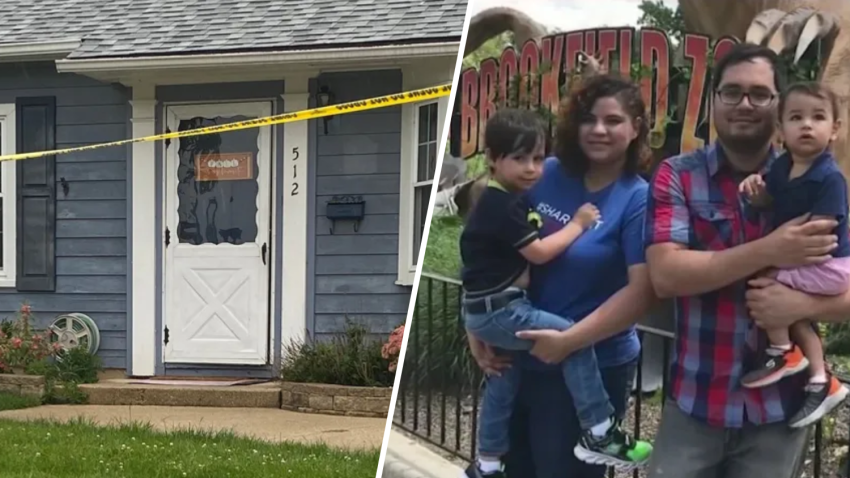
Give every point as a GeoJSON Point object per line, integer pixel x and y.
{"type": "Point", "coordinates": [199, 383]}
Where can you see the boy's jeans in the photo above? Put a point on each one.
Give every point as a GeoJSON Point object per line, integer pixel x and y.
{"type": "Point", "coordinates": [497, 326]}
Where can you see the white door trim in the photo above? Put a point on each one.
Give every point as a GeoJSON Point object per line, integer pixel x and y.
{"type": "Point", "coordinates": [265, 209]}
{"type": "Point", "coordinates": [144, 228]}
{"type": "Point", "coordinates": [296, 191]}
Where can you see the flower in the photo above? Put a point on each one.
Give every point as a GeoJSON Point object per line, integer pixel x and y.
{"type": "Point", "coordinates": [22, 346]}
{"type": "Point", "coordinates": [391, 350]}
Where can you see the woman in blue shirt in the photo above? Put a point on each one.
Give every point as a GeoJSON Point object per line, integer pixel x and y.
{"type": "Point", "coordinates": [600, 281]}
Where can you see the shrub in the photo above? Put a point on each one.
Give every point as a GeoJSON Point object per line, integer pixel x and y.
{"type": "Point", "coordinates": [64, 372]}
{"type": "Point", "coordinates": [438, 355]}
{"type": "Point", "coordinates": [437, 350]}
{"type": "Point", "coordinates": [353, 359]}
{"type": "Point", "coordinates": [836, 337]}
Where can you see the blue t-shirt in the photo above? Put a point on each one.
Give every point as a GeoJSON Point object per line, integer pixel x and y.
{"type": "Point", "coordinates": [596, 265]}
{"type": "Point", "coordinates": [822, 191]}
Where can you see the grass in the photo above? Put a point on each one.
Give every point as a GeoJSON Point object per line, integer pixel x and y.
{"type": "Point", "coordinates": [442, 254]}
{"type": "Point", "coordinates": [78, 449]}
{"type": "Point", "coordinates": [16, 402]}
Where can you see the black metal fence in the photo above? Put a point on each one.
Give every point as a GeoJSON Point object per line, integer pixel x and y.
{"type": "Point", "coordinates": [439, 390]}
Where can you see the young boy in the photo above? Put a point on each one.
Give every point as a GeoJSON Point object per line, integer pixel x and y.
{"type": "Point", "coordinates": [805, 179]}
{"type": "Point", "coordinates": [497, 245]}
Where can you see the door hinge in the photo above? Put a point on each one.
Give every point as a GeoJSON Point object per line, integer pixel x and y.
{"type": "Point", "coordinates": [167, 237]}
{"type": "Point", "coordinates": [264, 253]}
{"type": "Point", "coordinates": [166, 336]}
{"type": "Point", "coordinates": [167, 140]}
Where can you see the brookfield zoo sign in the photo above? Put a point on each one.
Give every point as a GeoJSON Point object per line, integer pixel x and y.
{"type": "Point", "coordinates": [643, 55]}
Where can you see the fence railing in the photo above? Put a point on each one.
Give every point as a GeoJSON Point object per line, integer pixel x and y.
{"type": "Point", "coordinates": [440, 386]}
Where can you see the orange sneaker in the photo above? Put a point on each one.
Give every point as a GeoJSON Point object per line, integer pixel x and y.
{"type": "Point", "coordinates": [821, 398]}
{"type": "Point", "coordinates": [775, 368]}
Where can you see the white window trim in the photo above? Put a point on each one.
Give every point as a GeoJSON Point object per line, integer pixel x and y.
{"type": "Point", "coordinates": [10, 223]}
{"type": "Point", "coordinates": [409, 136]}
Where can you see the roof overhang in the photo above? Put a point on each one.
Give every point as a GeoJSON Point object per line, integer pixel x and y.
{"type": "Point", "coordinates": [38, 51]}
{"type": "Point", "coordinates": [121, 68]}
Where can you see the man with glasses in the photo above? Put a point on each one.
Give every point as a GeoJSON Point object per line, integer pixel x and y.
{"type": "Point", "coordinates": [703, 245]}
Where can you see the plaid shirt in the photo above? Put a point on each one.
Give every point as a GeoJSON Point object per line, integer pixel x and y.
{"type": "Point", "coordinates": [694, 201]}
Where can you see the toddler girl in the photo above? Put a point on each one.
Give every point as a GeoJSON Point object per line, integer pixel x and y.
{"type": "Point", "coordinates": [805, 179]}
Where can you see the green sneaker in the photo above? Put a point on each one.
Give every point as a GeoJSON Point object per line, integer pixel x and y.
{"type": "Point", "coordinates": [617, 449]}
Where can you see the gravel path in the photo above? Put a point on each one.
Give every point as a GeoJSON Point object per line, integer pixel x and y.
{"type": "Point", "coordinates": [457, 433]}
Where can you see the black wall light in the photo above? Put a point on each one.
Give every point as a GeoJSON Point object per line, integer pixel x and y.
{"type": "Point", "coordinates": [325, 97]}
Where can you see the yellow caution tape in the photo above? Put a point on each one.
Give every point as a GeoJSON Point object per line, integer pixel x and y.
{"type": "Point", "coordinates": [342, 108]}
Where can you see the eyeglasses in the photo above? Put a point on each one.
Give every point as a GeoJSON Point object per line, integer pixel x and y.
{"type": "Point", "coordinates": [734, 97]}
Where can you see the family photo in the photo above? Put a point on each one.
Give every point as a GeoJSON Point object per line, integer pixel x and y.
{"type": "Point", "coordinates": [638, 262]}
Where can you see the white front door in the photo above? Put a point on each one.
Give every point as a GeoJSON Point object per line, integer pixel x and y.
{"type": "Point", "coordinates": [217, 257]}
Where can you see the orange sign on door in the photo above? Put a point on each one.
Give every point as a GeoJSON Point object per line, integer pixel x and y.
{"type": "Point", "coordinates": [224, 166]}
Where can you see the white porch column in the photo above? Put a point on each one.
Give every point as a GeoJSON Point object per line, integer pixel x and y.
{"type": "Point", "coordinates": [295, 193]}
{"type": "Point", "coordinates": [143, 313]}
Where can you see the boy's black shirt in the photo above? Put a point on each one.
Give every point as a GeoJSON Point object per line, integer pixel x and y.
{"type": "Point", "coordinates": [497, 229]}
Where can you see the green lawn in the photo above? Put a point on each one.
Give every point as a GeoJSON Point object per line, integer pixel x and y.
{"type": "Point", "coordinates": [442, 254]}
{"type": "Point", "coordinates": [81, 450]}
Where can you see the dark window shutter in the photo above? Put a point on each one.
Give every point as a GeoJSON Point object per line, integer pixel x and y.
{"type": "Point", "coordinates": [36, 195]}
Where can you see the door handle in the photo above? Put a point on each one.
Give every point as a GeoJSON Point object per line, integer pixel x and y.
{"type": "Point", "coordinates": [264, 253]}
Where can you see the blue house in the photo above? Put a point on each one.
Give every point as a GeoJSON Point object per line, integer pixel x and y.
{"type": "Point", "coordinates": [202, 255]}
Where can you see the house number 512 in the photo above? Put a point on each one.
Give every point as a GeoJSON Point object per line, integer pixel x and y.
{"type": "Point", "coordinates": [294, 191]}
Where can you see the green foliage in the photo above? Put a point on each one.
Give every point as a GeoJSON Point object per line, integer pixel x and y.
{"type": "Point", "coordinates": [438, 355]}
{"type": "Point", "coordinates": [442, 256]}
{"type": "Point", "coordinates": [475, 166]}
{"type": "Point", "coordinates": [353, 359]}
{"type": "Point", "coordinates": [7, 327]}
{"type": "Point", "coordinates": [806, 69]}
{"type": "Point", "coordinates": [492, 48]}
{"type": "Point", "coordinates": [639, 71]}
{"type": "Point", "coordinates": [655, 14]}
{"type": "Point", "coordinates": [78, 365]}
{"type": "Point", "coordinates": [836, 338]}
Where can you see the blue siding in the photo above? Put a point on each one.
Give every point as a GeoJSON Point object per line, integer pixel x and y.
{"type": "Point", "coordinates": [91, 221]}
{"type": "Point", "coordinates": [354, 273]}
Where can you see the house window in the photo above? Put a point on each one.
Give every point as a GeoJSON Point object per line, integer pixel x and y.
{"type": "Point", "coordinates": [422, 131]}
{"type": "Point", "coordinates": [8, 210]}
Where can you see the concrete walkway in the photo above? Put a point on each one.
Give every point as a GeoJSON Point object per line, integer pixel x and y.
{"type": "Point", "coordinates": [408, 458]}
{"type": "Point", "coordinates": [266, 424]}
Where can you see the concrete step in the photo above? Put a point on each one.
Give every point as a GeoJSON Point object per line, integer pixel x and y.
{"type": "Point", "coordinates": [119, 392]}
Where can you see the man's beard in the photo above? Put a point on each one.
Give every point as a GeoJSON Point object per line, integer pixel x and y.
{"type": "Point", "coordinates": [748, 144]}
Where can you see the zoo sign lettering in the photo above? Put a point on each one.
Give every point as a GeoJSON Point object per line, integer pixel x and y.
{"type": "Point", "coordinates": [548, 64]}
